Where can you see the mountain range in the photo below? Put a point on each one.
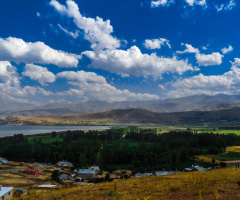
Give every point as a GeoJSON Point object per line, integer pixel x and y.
{"type": "Point", "coordinates": [193, 110]}
{"type": "Point", "coordinates": [191, 103]}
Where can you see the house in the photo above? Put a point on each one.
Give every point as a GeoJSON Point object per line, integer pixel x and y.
{"type": "Point", "coordinates": [32, 171]}
{"type": "Point", "coordinates": [65, 179]}
{"type": "Point", "coordinates": [4, 161]}
{"type": "Point", "coordinates": [6, 192]}
{"type": "Point", "coordinates": [139, 175]}
{"type": "Point", "coordinates": [64, 164]}
{"type": "Point", "coordinates": [231, 163]}
{"type": "Point", "coordinates": [162, 173]}
{"type": "Point", "coordinates": [96, 168]}
{"type": "Point", "coordinates": [86, 173]}
{"type": "Point", "coordinates": [195, 168]}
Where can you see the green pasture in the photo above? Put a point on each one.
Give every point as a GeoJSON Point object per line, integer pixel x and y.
{"type": "Point", "coordinates": [47, 139]}
{"type": "Point", "coordinates": [237, 132]}
{"type": "Point", "coordinates": [225, 157]}
{"type": "Point", "coordinates": [198, 129]}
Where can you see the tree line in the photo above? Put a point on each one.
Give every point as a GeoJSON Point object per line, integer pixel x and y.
{"type": "Point", "coordinates": [128, 148]}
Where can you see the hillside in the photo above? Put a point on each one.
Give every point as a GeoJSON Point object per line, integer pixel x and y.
{"type": "Point", "coordinates": [219, 117]}
{"type": "Point", "coordinates": [221, 184]}
{"type": "Point", "coordinates": [191, 103]}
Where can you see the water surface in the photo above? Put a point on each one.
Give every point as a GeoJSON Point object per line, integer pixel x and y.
{"type": "Point", "coordinates": [6, 130]}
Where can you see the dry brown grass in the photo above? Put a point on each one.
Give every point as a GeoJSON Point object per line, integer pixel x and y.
{"type": "Point", "coordinates": [13, 176]}
{"type": "Point", "coordinates": [206, 159]}
{"type": "Point", "coordinates": [233, 149]}
{"type": "Point", "coordinates": [221, 184]}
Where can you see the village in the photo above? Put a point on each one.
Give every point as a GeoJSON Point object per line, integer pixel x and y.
{"type": "Point", "coordinates": [17, 178]}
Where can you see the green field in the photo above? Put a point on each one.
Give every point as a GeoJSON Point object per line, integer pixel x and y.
{"type": "Point", "coordinates": [225, 157]}
{"type": "Point", "coordinates": [47, 139]}
{"type": "Point", "coordinates": [198, 129]}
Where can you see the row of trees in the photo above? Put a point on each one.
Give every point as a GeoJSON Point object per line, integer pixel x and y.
{"type": "Point", "coordinates": [109, 149]}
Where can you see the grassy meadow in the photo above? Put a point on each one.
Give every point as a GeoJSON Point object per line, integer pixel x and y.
{"type": "Point", "coordinates": [221, 184]}
{"type": "Point", "coordinates": [47, 139]}
{"type": "Point", "coordinates": [232, 153]}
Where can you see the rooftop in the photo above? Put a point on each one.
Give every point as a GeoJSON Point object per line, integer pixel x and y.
{"type": "Point", "coordinates": [4, 190]}
{"type": "Point", "coordinates": [86, 171]}
{"type": "Point", "coordinates": [4, 161]}
{"type": "Point", "coordinates": [161, 173]}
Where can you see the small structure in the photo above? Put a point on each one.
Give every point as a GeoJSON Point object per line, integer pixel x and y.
{"type": "Point", "coordinates": [47, 186]}
{"type": "Point", "coordinates": [231, 163]}
{"type": "Point", "coordinates": [139, 175]}
{"type": "Point", "coordinates": [65, 179]}
{"type": "Point", "coordinates": [64, 164]}
{"type": "Point", "coordinates": [6, 192]}
{"type": "Point", "coordinates": [195, 168]}
{"type": "Point", "coordinates": [96, 168]}
{"type": "Point", "coordinates": [86, 173]}
{"type": "Point", "coordinates": [19, 192]}
{"type": "Point", "coordinates": [163, 173]}
{"type": "Point", "coordinates": [32, 171]}
{"type": "Point", "coordinates": [4, 161]}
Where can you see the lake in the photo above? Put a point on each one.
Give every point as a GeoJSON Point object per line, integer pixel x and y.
{"type": "Point", "coordinates": [6, 130]}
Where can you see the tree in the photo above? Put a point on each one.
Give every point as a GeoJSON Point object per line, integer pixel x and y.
{"type": "Point", "coordinates": [54, 134]}
{"type": "Point", "coordinates": [213, 161]}
{"type": "Point", "coordinates": [107, 177]}
{"type": "Point", "coordinates": [55, 175]}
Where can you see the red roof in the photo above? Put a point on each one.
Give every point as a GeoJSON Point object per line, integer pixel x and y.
{"type": "Point", "coordinates": [33, 171]}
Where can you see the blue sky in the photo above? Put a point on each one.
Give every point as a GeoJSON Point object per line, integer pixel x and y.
{"type": "Point", "coordinates": [70, 51]}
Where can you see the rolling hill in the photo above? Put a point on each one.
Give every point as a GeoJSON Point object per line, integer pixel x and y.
{"type": "Point", "coordinates": [227, 117]}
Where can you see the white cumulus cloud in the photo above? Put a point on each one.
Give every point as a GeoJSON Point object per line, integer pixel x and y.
{"type": "Point", "coordinates": [156, 43]}
{"type": "Point", "coordinates": [10, 87]}
{"type": "Point", "coordinates": [134, 62]}
{"type": "Point", "coordinates": [210, 59]}
{"type": "Point", "coordinates": [214, 58]}
{"type": "Point", "coordinates": [38, 73]}
{"type": "Point", "coordinates": [228, 83]}
{"type": "Point", "coordinates": [8, 74]}
{"type": "Point", "coordinates": [16, 50]}
{"type": "Point", "coordinates": [196, 2]}
{"type": "Point", "coordinates": [161, 3]}
{"type": "Point", "coordinates": [226, 7]}
{"type": "Point", "coordinates": [89, 85]}
{"type": "Point", "coordinates": [189, 49]}
{"type": "Point", "coordinates": [227, 50]}
{"type": "Point", "coordinates": [96, 31]}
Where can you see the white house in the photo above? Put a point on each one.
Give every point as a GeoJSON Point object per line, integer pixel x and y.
{"type": "Point", "coordinates": [95, 168]}
{"type": "Point", "coordinates": [163, 173]}
{"type": "Point", "coordinates": [64, 164]}
{"type": "Point", "coordinates": [86, 173]}
{"type": "Point", "coordinates": [4, 161]}
{"type": "Point", "coordinates": [139, 175]}
{"type": "Point", "coordinates": [6, 192]}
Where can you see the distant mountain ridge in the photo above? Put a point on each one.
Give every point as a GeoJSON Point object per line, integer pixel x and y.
{"type": "Point", "coordinates": [227, 117]}
{"type": "Point", "coordinates": [191, 103]}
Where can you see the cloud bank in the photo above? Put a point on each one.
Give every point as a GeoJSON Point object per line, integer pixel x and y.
{"type": "Point", "coordinates": [16, 50]}
{"type": "Point", "coordinates": [89, 85]}
{"type": "Point", "coordinates": [134, 62]}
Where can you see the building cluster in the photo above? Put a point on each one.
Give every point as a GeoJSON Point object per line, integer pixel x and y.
{"type": "Point", "coordinates": [78, 175]}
